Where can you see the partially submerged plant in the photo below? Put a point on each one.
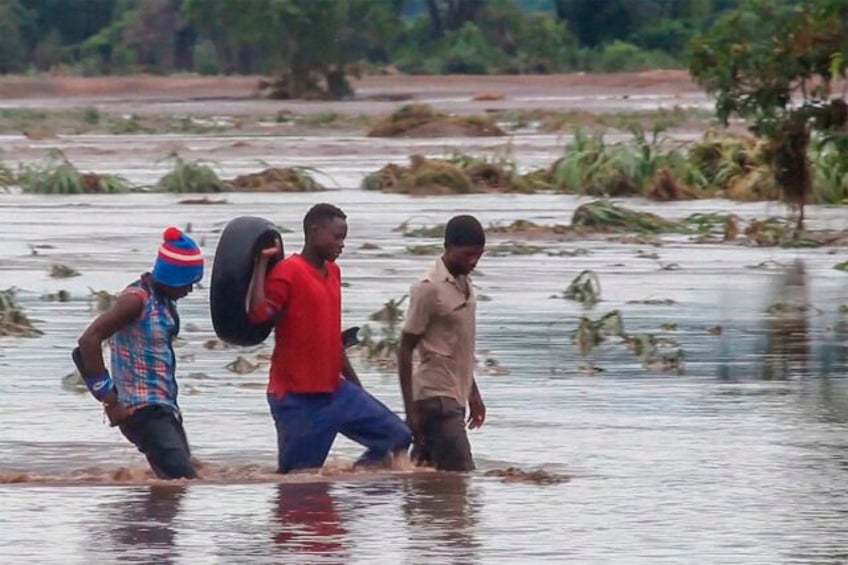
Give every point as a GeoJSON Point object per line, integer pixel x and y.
{"type": "Point", "coordinates": [421, 120]}
{"type": "Point", "coordinates": [57, 175]}
{"type": "Point", "coordinates": [102, 300]}
{"type": "Point", "coordinates": [190, 176]}
{"type": "Point", "coordinates": [585, 288]}
{"type": "Point", "coordinates": [433, 249]}
{"type": "Point", "coordinates": [7, 177]}
{"type": "Point", "coordinates": [274, 179]}
{"type": "Point", "coordinates": [13, 321]}
{"type": "Point", "coordinates": [381, 349]}
{"type": "Point", "coordinates": [604, 215]}
{"type": "Point", "coordinates": [59, 271]}
{"type": "Point", "coordinates": [391, 313]}
{"type": "Point", "coordinates": [591, 333]}
{"type": "Point", "coordinates": [513, 248]}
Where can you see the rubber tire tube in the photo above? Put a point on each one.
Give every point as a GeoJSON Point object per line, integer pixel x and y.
{"type": "Point", "coordinates": [232, 270]}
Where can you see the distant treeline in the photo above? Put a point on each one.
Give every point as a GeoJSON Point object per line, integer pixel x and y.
{"type": "Point", "coordinates": [415, 36]}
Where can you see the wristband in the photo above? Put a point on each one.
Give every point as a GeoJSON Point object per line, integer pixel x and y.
{"type": "Point", "coordinates": [100, 386]}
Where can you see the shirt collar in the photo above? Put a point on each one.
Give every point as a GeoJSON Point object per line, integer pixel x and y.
{"type": "Point", "coordinates": [439, 273]}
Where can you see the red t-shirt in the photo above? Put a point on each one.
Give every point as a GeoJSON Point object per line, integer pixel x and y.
{"type": "Point", "coordinates": [307, 334]}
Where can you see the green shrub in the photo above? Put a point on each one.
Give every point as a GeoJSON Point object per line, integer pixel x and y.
{"type": "Point", "coordinates": [190, 176]}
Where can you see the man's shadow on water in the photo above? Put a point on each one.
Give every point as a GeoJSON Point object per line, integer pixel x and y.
{"type": "Point", "coordinates": [308, 521]}
{"type": "Point", "coordinates": [141, 525]}
{"type": "Point", "coordinates": [439, 509]}
{"type": "Point", "coordinates": [441, 512]}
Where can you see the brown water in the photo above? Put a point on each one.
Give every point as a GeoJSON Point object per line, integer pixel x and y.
{"type": "Point", "coordinates": [715, 465]}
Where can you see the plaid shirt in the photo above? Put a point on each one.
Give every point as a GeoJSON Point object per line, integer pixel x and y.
{"type": "Point", "coordinates": [143, 360]}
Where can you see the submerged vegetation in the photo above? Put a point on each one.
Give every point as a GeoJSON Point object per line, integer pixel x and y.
{"type": "Point", "coordinates": [190, 176]}
{"type": "Point", "coordinates": [13, 321]}
{"type": "Point", "coordinates": [421, 120]}
{"type": "Point", "coordinates": [55, 174]}
{"type": "Point", "coordinates": [720, 165]}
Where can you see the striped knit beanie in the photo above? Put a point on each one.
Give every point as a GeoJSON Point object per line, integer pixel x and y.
{"type": "Point", "coordinates": [180, 261]}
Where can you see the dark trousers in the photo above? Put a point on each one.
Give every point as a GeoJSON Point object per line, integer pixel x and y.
{"type": "Point", "coordinates": [444, 442]}
{"type": "Point", "coordinates": [157, 431]}
{"type": "Point", "coordinates": [307, 424]}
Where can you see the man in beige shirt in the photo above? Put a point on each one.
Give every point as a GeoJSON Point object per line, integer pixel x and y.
{"type": "Point", "coordinates": [440, 323]}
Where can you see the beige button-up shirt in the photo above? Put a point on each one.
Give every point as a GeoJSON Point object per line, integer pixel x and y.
{"type": "Point", "coordinates": [442, 310]}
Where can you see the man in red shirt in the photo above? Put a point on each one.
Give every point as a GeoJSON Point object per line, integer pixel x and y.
{"type": "Point", "coordinates": [309, 399]}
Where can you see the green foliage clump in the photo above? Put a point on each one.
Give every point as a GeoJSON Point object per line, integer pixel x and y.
{"type": "Point", "coordinates": [57, 175]}
{"type": "Point", "coordinates": [190, 176]}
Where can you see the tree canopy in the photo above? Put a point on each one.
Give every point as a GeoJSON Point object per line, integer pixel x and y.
{"type": "Point", "coordinates": [310, 47]}
{"type": "Point", "coordinates": [777, 63]}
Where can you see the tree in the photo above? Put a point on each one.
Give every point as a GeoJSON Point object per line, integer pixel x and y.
{"type": "Point", "coordinates": [599, 21]}
{"type": "Point", "coordinates": [304, 43]}
{"type": "Point", "coordinates": [12, 47]}
{"type": "Point", "coordinates": [775, 63]}
{"type": "Point", "coordinates": [451, 15]}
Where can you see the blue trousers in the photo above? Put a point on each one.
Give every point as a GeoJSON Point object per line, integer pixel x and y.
{"type": "Point", "coordinates": [307, 425]}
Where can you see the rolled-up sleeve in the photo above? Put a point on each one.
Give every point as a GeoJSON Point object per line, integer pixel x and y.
{"type": "Point", "coordinates": [277, 285]}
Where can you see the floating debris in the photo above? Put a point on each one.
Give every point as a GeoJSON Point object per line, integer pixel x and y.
{"type": "Point", "coordinates": [433, 249]}
{"type": "Point", "coordinates": [242, 366]}
{"type": "Point", "coordinates": [537, 477]}
{"type": "Point", "coordinates": [204, 201]}
{"type": "Point", "coordinates": [654, 301]}
{"type": "Point", "coordinates": [491, 366]}
{"type": "Point", "coordinates": [526, 227]}
{"type": "Point", "coordinates": [513, 248]}
{"type": "Point", "coordinates": [59, 271]}
{"type": "Point", "coordinates": [59, 296]}
{"type": "Point", "coordinates": [73, 382]}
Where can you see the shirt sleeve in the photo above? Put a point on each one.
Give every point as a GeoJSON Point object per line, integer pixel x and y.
{"type": "Point", "coordinates": [277, 285]}
{"type": "Point", "coordinates": [422, 301]}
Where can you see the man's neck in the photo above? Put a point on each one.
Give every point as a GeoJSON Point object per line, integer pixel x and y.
{"type": "Point", "coordinates": [312, 257]}
{"type": "Point", "coordinates": [448, 268]}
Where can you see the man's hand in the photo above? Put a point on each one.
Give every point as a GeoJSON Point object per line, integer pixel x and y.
{"type": "Point", "coordinates": [477, 411]}
{"type": "Point", "coordinates": [414, 422]}
{"type": "Point", "coordinates": [116, 412]}
{"type": "Point", "coordinates": [269, 253]}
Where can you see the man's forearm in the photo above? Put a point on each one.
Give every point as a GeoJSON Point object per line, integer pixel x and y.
{"type": "Point", "coordinates": [405, 377]}
{"type": "Point", "coordinates": [348, 371]}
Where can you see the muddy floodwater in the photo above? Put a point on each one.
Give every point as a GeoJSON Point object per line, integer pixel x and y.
{"type": "Point", "coordinates": [738, 453]}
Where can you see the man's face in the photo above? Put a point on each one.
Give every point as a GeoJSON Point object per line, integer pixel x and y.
{"type": "Point", "coordinates": [177, 292]}
{"type": "Point", "coordinates": [329, 236]}
{"type": "Point", "coordinates": [462, 259]}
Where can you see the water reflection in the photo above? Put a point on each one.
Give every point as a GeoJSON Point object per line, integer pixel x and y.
{"type": "Point", "coordinates": [441, 511]}
{"type": "Point", "coordinates": [143, 525]}
{"type": "Point", "coordinates": [787, 326]}
{"type": "Point", "coordinates": [308, 521]}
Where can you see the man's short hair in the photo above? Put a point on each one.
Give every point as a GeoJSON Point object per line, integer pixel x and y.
{"type": "Point", "coordinates": [321, 213]}
{"type": "Point", "coordinates": [464, 230]}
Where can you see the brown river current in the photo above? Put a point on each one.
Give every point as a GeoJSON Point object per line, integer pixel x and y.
{"type": "Point", "coordinates": [740, 457]}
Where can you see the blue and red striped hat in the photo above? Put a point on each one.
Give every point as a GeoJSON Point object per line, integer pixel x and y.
{"type": "Point", "coordinates": [180, 261]}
